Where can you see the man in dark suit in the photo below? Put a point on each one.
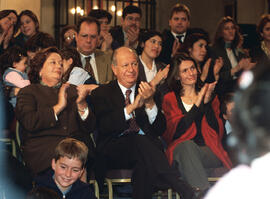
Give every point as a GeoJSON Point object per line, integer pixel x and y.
{"type": "Point", "coordinates": [96, 62]}
{"type": "Point", "coordinates": [179, 22]}
{"type": "Point", "coordinates": [128, 33]}
{"type": "Point", "coordinates": [128, 126]}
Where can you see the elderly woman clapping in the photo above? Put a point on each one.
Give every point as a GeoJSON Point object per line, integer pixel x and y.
{"type": "Point", "coordinates": [49, 111]}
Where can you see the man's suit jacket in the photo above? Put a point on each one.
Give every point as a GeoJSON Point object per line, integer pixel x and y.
{"type": "Point", "coordinates": [103, 63]}
{"type": "Point", "coordinates": [168, 40]}
{"type": "Point", "coordinates": [108, 106]}
{"type": "Point", "coordinates": [167, 44]}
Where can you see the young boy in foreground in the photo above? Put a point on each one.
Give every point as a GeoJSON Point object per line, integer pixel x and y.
{"type": "Point", "coordinates": [68, 165]}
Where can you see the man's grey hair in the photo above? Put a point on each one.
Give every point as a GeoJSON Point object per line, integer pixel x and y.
{"type": "Point", "coordinates": [115, 52]}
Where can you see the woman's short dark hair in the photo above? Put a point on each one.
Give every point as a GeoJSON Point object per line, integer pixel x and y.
{"type": "Point", "coordinates": [144, 36]}
{"type": "Point", "coordinates": [4, 13]}
{"type": "Point", "coordinates": [190, 40]}
{"type": "Point", "coordinates": [173, 80]}
{"type": "Point", "coordinates": [32, 15]}
{"type": "Point", "coordinates": [38, 61]}
{"type": "Point", "coordinates": [219, 40]}
{"type": "Point", "coordinates": [263, 21]}
{"type": "Point", "coordinates": [72, 53]}
{"type": "Point", "coordinates": [99, 14]}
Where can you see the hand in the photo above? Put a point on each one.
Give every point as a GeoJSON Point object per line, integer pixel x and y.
{"type": "Point", "coordinates": [62, 99]}
{"type": "Point", "coordinates": [161, 75]}
{"type": "Point", "coordinates": [241, 65]}
{"type": "Point", "coordinates": [107, 41]}
{"type": "Point", "coordinates": [209, 91]}
{"type": "Point", "coordinates": [147, 92]}
{"type": "Point", "coordinates": [16, 91]}
{"type": "Point", "coordinates": [176, 46]}
{"type": "Point", "coordinates": [218, 65]}
{"type": "Point", "coordinates": [133, 35]}
{"type": "Point", "coordinates": [249, 65]}
{"type": "Point", "coordinates": [82, 91]}
{"type": "Point", "coordinates": [88, 87]}
{"type": "Point", "coordinates": [201, 95]}
{"type": "Point", "coordinates": [205, 70]}
{"type": "Point", "coordinates": [138, 102]}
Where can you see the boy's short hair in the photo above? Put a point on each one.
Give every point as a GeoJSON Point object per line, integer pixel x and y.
{"type": "Point", "coordinates": [226, 99]}
{"type": "Point", "coordinates": [130, 9]}
{"type": "Point", "coordinates": [99, 14]}
{"type": "Point", "coordinates": [180, 8]}
{"type": "Point", "coordinates": [71, 148]}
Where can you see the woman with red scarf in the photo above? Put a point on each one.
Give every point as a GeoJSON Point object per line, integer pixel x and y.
{"type": "Point", "coordinates": [194, 129]}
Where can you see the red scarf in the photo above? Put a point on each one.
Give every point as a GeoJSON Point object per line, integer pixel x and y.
{"type": "Point", "coordinates": [212, 138]}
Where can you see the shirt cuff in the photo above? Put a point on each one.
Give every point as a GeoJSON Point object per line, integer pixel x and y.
{"type": "Point", "coordinates": [56, 118]}
{"type": "Point", "coordinates": [127, 116]}
{"type": "Point", "coordinates": [85, 114]}
{"type": "Point", "coordinates": [152, 113]}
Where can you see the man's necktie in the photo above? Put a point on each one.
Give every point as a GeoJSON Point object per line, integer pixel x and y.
{"type": "Point", "coordinates": [179, 37]}
{"type": "Point", "coordinates": [88, 67]}
{"type": "Point", "coordinates": [133, 127]}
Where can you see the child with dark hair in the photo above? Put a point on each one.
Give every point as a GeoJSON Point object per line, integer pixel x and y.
{"type": "Point", "coordinates": [68, 166]}
{"type": "Point", "coordinates": [73, 70]}
{"type": "Point", "coordinates": [14, 65]}
{"type": "Point", "coordinates": [226, 111]}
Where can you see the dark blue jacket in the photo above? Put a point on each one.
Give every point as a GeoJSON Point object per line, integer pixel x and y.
{"type": "Point", "coordinates": [79, 189]}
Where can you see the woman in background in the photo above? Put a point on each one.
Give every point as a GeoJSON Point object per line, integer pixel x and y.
{"type": "Point", "coordinates": [261, 53]}
{"type": "Point", "coordinates": [227, 44]}
{"type": "Point", "coordinates": [196, 46]}
{"type": "Point", "coordinates": [29, 26]}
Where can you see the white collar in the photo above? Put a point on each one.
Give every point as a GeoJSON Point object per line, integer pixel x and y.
{"type": "Point", "coordinates": [145, 67]}
{"type": "Point", "coordinates": [124, 89]}
{"type": "Point", "coordinates": [84, 56]}
{"type": "Point", "coordinates": [175, 35]}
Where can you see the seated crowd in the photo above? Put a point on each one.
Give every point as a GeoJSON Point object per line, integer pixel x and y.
{"type": "Point", "coordinates": [122, 98]}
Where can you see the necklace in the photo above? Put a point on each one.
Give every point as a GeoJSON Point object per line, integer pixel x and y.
{"type": "Point", "coordinates": [188, 100]}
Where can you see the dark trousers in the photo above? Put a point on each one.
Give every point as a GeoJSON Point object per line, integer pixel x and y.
{"type": "Point", "coordinates": [148, 162]}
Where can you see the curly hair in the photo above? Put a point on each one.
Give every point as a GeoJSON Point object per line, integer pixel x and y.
{"type": "Point", "coordinates": [38, 61]}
